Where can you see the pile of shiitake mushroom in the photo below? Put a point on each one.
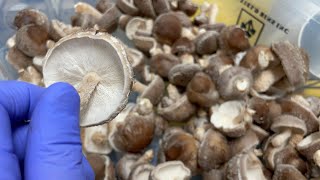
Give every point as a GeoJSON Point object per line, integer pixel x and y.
{"type": "Point", "coordinates": [215, 105]}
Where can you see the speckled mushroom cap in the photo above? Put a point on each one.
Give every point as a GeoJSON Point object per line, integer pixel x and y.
{"type": "Point", "coordinates": [293, 123]}
{"type": "Point", "coordinates": [74, 56]}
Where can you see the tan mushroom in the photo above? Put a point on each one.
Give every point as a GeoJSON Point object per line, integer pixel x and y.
{"type": "Point", "coordinates": [97, 66]}
{"type": "Point", "coordinates": [310, 146]}
{"type": "Point", "coordinates": [314, 103]}
{"type": "Point", "coordinates": [146, 7]}
{"type": "Point", "coordinates": [285, 126]}
{"type": "Point", "coordinates": [214, 174]}
{"type": "Point", "coordinates": [287, 172]}
{"type": "Point", "coordinates": [231, 118]}
{"type": "Point", "coordinates": [170, 170]}
{"type": "Point", "coordinates": [18, 59]}
{"type": "Point", "coordinates": [207, 43]}
{"type": "Point", "coordinates": [128, 7]}
{"type": "Point", "coordinates": [102, 166]}
{"type": "Point", "coordinates": [96, 139]}
{"type": "Point", "coordinates": [141, 172]}
{"type": "Point", "coordinates": [182, 74]}
{"type": "Point", "coordinates": [103, 5]}
{"type": "Point", "coordinates": [188, 7]}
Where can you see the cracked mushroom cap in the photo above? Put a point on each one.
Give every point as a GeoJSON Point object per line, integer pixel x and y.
{"type": "Point", "coordinates": [31, 16]}
{"type": "Point", "coordinates": [96, 139]}
{"type": "Point", "coordinates": [167, 28]}
{"type": "Point", "coordinates": [232, 118]}
{"type": "Point", "coordinates": [214, 174]}
{"type": "Point", "coordinates": [188, 7]}
{"type": "Point", "coordinates": [178, 145]}
{"type": "Point", "coordinates": [235, 83]}
{"type": "Point", "coordinates": [314, 103]}
{"type": "Point", "coordinates": [287, 172]}
{"type": "Point", "coordinates": [170, 170]}
{"type": "Point", "coordinates": [214, 151]}
{"type": "Point", "coordinates": [202, 91]}
{"type": "Point", "coordinates": [178, 111]}
{"type": "Point", "coordinates": [97, 66]}
{"type": "Point", "coordinates": [309, 145]}
{"type": "Point", "coordinates": [288, 122]}
{"type": "Point", "coordinates": [294, 62]}
{"type": "Point", "coordinates": [245, 166]}
{"type": "Point", "coordinates": [141, 172]}
{"type": "Point", "coordinates": [102, 166]}
{"type": "Point", "coordinates": [181, 74]}
{"type": "Point", "coordinates": [138, 24]}
{"type": "Point", "coordinates": [291, 107]}
{"type": "Point", "coordinates": [161, 6]}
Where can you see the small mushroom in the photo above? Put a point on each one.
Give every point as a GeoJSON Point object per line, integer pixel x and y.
{"type": "Point", "coordinates": [245, 166]}
{"type": "Point", "coordinates": [188, 7]}
{"type": "Point", "coordinates": [213, 27]}
{"type": "Point", "coordinates": [31, 40]}
{"type": "Point", "coordinates": [141, 172]}
{"type": "Point", "coordinates": [202, 91]}
{"type": "Point", "coordinates": [163, 63]}
{"type": "Point", "coordinates": [179, 145]}
{"type": "Point", "coordinates": [202, 18]}
{"type": "Point", "coordinates": [291, 107]}
{"type": "Point", "coordinates": [207, 43]}
{"type": "Point", "coordinates": [128, 7]}
{"type": "Point", "coordinates": [182, 74]}
{"type": "Point", "coordinates": [233, 39]}
{"type": "Point", "coordinates": [161, 6]}
{"type": "Point", "coordinates": [102, 166]}
{"type": "Point", "coordinates": [183, 46]}
{"type": "Point", "coordinates": [96, 139]}
{"type": "Point", "coordinates": [171, 170]}
{"type": "Point", "coordinates": [161, 125]}
{"type": "Point", "coordinates": [83, 21]}
{"type": "Point", "coordinates": [287, 172]}
{"type": "Point", "coordinates": [59, 30]}
{"type": "Point", "coordinates": [17, 59]}
{"type": "Point", "coordinates": [176, 107]}
{"type": "Point", "coordinates": [146, 8]}
{"type": "Point", "coordinates": [167, 28]}
{"type": "Point", "coordinates": [232, 118]}
{"type": "Point", "coordinates": [133, 130]}
{"type": "Point", "coordinates": [269, 152]}
{"type": "Point", "coordinates": [31, 16]}
{"type": "Point", "coordinates": [129, 161]}
{"type": "Point", "coordinates": [286, 125]}
{"type": "Point", "coordinates": [314, 103]}
{"type": "Point", "coordinates": [184, 19]}
{"type": "Point", "coordinates": [294, 62]}
{"type": "Point", "coordinates": [259, 58]}
{"type": "Point", "coordinates": [309, 147]}
{"type": "Point", "coordinates": [30, 75]}
{"type": "Point", "coordinates": [244, 143]}
{"type": "Point", "coordinates": [154, 91]}
{"type": "Point", "coordinates": [103, 5]}
{"type": "Point", "coordinates": [97, 66]}
{"type": "Point", "coordinates": [234, 83]}
{"type": "Point", "coordinates": [214, 151]}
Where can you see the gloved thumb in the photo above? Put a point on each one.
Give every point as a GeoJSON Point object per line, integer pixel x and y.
{"type": "Point", "coordinates": [54, 147]}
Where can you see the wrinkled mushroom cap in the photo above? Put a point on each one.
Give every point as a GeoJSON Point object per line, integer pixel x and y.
{"type": "Point", "coordinates": [77, 55]}
{"type": "Point", "coordinates": [171, 170]}
{"type": "Point", "coordinates": [283, 122]}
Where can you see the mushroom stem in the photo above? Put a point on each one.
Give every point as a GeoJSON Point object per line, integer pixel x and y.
{"type": "Point", "coordinates": [242, 84]}
{"type": "Point", "coordinates": [267, 78]}
{"type": "Point", "coordinates": [213, 12]}
{"type": "Point", "coordinates": [84, 8]}
{"type": "Point", "coordinates": [279, 139]}
{"type": "Point", "coordinates": [138, 87]}
{"type": "Point", "coordinates": [87, 87]}
{"type": "Point", "coordinates": [199, 134]}
{"type": "Point", "coordinates": [316, 158]}
{"type": "Point", "coordinates": [99, 139]}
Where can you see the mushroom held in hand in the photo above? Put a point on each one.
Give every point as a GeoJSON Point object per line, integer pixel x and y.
{"type": "Point", "coordinates": [285, 126]}
{"type": "Point", "coordinates": [171, 170]}
{"type": "Point", "coordinates": [97, 66]}
{"type": "Point", "coordinates": [232, 118]}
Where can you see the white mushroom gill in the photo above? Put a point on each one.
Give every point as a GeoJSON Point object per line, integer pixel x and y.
{"type": "Point", "coordinates": [97, 66]}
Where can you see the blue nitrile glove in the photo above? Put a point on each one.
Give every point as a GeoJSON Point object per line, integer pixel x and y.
{"type": "Point", "coordinates": [48, 147]}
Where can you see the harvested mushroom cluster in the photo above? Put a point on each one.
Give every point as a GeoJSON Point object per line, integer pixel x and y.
{"type": "Point", "coordinates": [216, 106]}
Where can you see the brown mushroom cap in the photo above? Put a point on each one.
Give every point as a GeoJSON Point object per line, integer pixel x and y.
{"type": "Point", "coordinates": [103, 5]}
{"type": "Point", "coordinates": [294, 62]}
{"type": "Point", "coordinates": [285, 122]}
{"type": "Point", "coordinates": [163, 63]}
{"type": "Point", "coordinates": [202, 91]}
{"type": "Point", "coordinates": [128, 7]}
{"type": "Point", "coordinates": [214, 151]}
{"type": "Point", "coordinates": [31, 40]}
{"type": "Point", "coordinates": [214, 174]}
{"type": "Point", "coordinates": [179, 145]}
{"type": "Point", "coordinates": [141, 171]}
{"type": "Point", "coordinates": [109, 20]}
{"type": "Point", "coordinates": [170, 170]}
{"type": "Point", "coordinates": [184, 19]}
{"type": "Point", "coordinates": [145, 7]}
{"type": "Point", "coordinates": [178, 111]}
{"type": "Point", "coordinates": [97, 163]}
{"type": "Point", "coordinates": [217, 64]}
{"type": "Point", "coordinates": [154, 91]}
{"type": "Point", "coordinates": [207, 43]}
{"type": "Point", "coordinates": [167, 28]}
{"type": "Point", "coordinates": [287, 172]}
{"type": "Point", "coordinates": [235, 83]}
{"type": "Point", "coordinates": [182, 74]}
{"type": "Point", "coordinates": [17, 59]}
{"type": "Point", "coordinates": [233, 39]}
{"type": "Point", "coordinates": [31, 16]}
{"type": "Point", "coordinates": [83, 20]}
{"type": "Point", "coordinates": [290, 107]}
{"type": "Point", "coordinates": [161, 6]}
{"type": "Point", "coordinates": [244, 143]}
{"type": "Point", "coordinates": [188, 7]}
{"type": "Point", "coordinates": [309, 145]}
{"type": "Point", "coordinates": [182, 45]}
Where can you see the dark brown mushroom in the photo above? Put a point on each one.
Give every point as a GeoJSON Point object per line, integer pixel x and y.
{"type": "Point", "coordinates": [103, 5]}
{"type": "Point", "coordinates": [218, 63]}
{"type": "Point", "coordinates": [161, 6]}
{"type": "Point", "coordinates": [207, 43]}
{"type": "Point", "coordinates": [163, 63]}
{"type": "Point", "coordinates": [17, 59]}
{"type": "Point", "coordinates": [244, 143]}
{"type": "Point", "coordinates": [309, 147]}
{"type": "Point", "coordinates": [181, 74]}
{"type": "Point", "coordinates": [145, 7]}
{"type": "Point", "coordinates": [128, 7]}
{"type": "Point", "coordinates": [141, 171]}
{"type": "Point", "coordinates": [31, 16]}
{"type": "Point", "coordinates": [102, 166]}
{"type": "Point", "coordinates": [182, 45]}
{"type": "Point", "coordinates": [188, 7]}
{"type": "Point", "coordinates": [109, 20]}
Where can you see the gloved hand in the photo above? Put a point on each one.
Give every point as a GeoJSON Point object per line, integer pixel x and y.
{"type": "Point", "coordinates": [49, 147]}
